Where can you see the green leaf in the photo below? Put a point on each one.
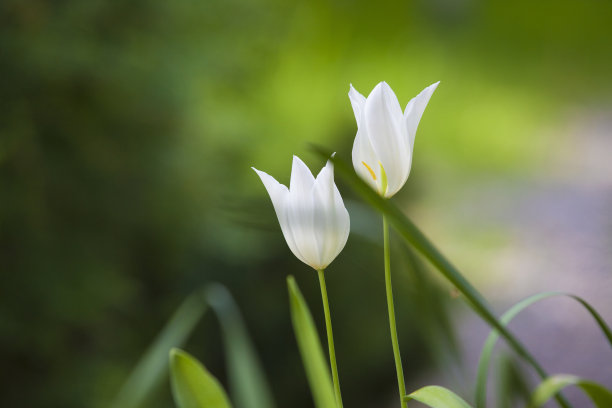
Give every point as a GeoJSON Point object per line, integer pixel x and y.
{"type": "Point", "coordinates": [317, 371]}
{"type": "Point", "coordinates": [435, 396]}
{"type": "Point", "coordinates": [412, 235]}
{"type": "Point", "coordinates": [601, 396]}
{"type": "Point", "coordinates": [248, 385]}
{"type": "Point", "coordinates": [192, 385]}
{"type": "Point", "coordinates": [153, 365]}
{"type": "Point", "coordinates": [487, 350]}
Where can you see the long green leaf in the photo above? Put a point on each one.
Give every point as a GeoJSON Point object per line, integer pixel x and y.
{"type": "Point", "coordinates": [153, 365]}
{"type": "Point", "coordinates": [487, 350]}
{"type": "Point", "coordinates": [248, 385]}
{"type": "Point", "coordinates": [601, 396]}
{"type": "Point", "coordinates": [435, 396]}
{"type": "Point", "coordinates": [317, 370]}
{"type": "Point", "coordinates": [418, 240]}
{"type": "Point", "coordinates": [192, 385]}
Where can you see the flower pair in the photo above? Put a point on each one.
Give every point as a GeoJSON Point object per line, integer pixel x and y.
{"type": "Point", "coordinates": [311, 213]}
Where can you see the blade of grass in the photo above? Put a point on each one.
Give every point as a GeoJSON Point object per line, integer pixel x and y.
{"type": "Point", "coordinates": [418, 240]}
{"type": "Point", "coordinates": [487, 350]}
{"type": "Point", "coordinates": [248, 384]}
{"type": "Point", "coordinates": [435, 396]}
{"type": "Point", "coordinates": [601, 396]}
{"type": "Point", "coordinates": [317, 371]}
{"type": "Point", "coordinates": [153, 365]}
{"type": "Point", "coordinates": [192, 385]}
{"type": "Point", "coordinates": [512, 388]}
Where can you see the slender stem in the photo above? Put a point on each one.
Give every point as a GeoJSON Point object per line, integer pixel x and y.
{"type": "Point", "coordinates": [330, 338]}
{"type": "Point", "coordinates": [392, 326]}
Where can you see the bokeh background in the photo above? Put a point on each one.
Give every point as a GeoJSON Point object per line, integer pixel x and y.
{"type": "Point", "coordinates": [127, 133]}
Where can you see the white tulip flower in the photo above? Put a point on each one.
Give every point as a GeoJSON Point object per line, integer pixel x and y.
{"type": "Point", "coordinates": [382, 152]}
{"type": "Point", "coordinates": [311, 213]}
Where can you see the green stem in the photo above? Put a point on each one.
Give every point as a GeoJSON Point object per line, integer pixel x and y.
{"type": "Point", "coordinates": [392, 325]}
{"type": "Point", "coordinates": [330, 338]}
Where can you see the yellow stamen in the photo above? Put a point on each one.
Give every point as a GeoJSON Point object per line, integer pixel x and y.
{"type": "Point", "coordinates": [384, 183]}
{"type": "Point", "coordinates": [370, 170]}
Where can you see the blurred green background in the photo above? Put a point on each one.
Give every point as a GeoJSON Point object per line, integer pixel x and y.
{"type": "Point", "coordinates": [127, 133]}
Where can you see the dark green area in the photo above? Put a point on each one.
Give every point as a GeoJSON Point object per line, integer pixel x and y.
{"type": "Point", "coordinates": [127, 130]}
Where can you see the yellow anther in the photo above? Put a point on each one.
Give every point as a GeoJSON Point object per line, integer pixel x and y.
{"type": "Point", "coordinates": [370, 170]}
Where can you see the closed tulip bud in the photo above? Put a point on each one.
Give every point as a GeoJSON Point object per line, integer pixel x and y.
{"type": "Point", "coordinates": [382, 151]}
{"type": "Point", "coordinates": [311, 213]}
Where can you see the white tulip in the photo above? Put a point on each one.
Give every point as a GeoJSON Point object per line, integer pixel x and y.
{"type": "Point", "coordinates": [311, 213]}
{"type": "Point", "coordinates": [382, 152]}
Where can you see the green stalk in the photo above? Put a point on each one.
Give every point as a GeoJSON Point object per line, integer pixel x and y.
{"type": "Point", "coordinates": [330, 338]}
{"type": "Point", "coordinates": [392, 325]}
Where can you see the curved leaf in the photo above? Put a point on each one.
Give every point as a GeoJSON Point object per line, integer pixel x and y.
{"type": "Point", "coordinates": [317, 370]}
{"type": "Point", "coordinates": [248, 385]}
{"type": "Point", "coordinates": [192, 385]}
{"type": "Point", "coordinates": [153, 365]}
{"type": "Point", "coordinates": [601, 396]}
{"type": "Point", "coordinates": [487, 350]}
{"type": "Point", "coordinates": [435, 396]}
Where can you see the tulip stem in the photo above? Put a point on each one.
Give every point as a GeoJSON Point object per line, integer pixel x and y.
{"type": "Point", "coordinates": [330, 338]}
{"type": "Point", "coordinates": [392, 325]}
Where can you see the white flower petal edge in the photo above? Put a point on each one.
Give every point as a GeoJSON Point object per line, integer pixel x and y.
{"type": "Point", "coordinates": [364, 158]}
{"type": "Point", "coordinates": [385, 136]}
{"type": "Point", "coordinates": [311, 213]}
{"type": "Point", "coordinates": [414, 110]}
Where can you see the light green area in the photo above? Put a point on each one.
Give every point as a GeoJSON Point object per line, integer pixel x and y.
{"type": "Point", "coordinates": [192, 385]}
{"type": "Point", "coordinates": [435, 396]}
{"type": "Point", "coordinates": [599, 395]}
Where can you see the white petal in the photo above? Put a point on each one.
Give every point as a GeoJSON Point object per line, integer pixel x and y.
{"type": "Point", "coordinates": [343, 222]}
{"type": "Point", "coordinates": [414, 111]}
{"type": "Point", "coordinates": [301, 177]}
{"type": "Point", "coordinates": [331, 219]}
{"type": "Point", "coordinates": [358, 102]}
{"type": "Point", "coordinates": [363, 154]}
{"type": "Point", "coordinates": [276, 190]}
{"type": "Point", "coordinates": [279, 194]}
{"type": "Point", "coordinates": [300, 211]}
{"type": "Point", "coordinates": [388, 134]}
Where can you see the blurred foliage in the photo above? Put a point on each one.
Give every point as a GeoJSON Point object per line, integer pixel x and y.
{"type": "Point", "coordinates": [126, 134]}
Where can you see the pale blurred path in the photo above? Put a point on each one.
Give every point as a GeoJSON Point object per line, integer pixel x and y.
{"type": "Point", "coordinates": [549, 232]}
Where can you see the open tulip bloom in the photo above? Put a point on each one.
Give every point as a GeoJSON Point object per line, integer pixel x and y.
{"type": "Point", "coordinates": [382, 151]}
{"type": "Point", "coordinates": [316, 225]}
{"type": "Point", "coordinates": [382, 156]}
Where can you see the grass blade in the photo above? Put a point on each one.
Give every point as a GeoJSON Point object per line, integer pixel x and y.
{"type": "Point", "coordinates": [511, 385]}
{"type": "Point", "coordinates": [487, 350]}
{"type": "Point", "coordinates": [317, 371]}
{"type": "Point", "coordinates": [248, 385]}
{"type": "Point", "coordinates": [192, 385]}
{"type": "Point", "coordinates": [601, 396]}
{"type": "Point", "coordinates": [153, 365]}
{"type": "Point", "coordinates": [435, 396]}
